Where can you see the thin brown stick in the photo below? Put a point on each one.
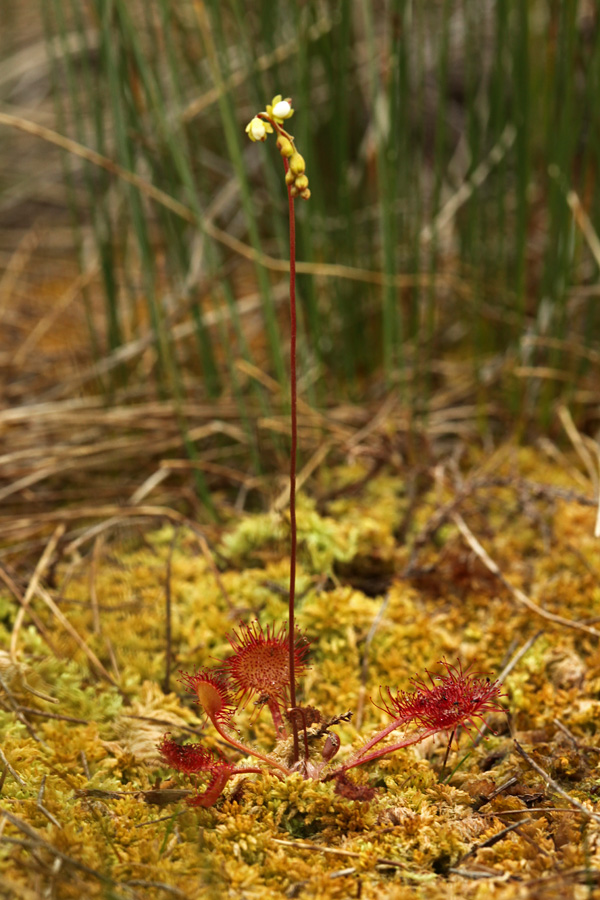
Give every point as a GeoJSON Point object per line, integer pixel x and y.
{"type": "Point", "coordinates": [168, 618]}
{"type": "Point", "coordinates": [96, 553]}
{"type": "Point", "coordinates": [335, 851]}
{"type": "Point", "coordinates": [16, 709]}
{"type": "Point", "coordinates": [517, 593]}
{"type": "Point", "coordinates": [8, 581]}
{"type": "Point", "coordinates": [364, 667]}
{"type": "Point", "coordinates": [554, 785]}
{"type": "Point", "coordinates": [39, 570]}
{"type": "Point", "coordinates": [49, 715]}
{"type": "Point", "coordinates": [493, 839]}
{"type": "Point", "coordinates": [510, 665]}
{"type": "Point", "coordinates": [36, 837]}
{"type": "Point", "coordinates": [10, 769]}
{"type": "Point", "coordinates": [519, 812]}
{"type": "Point", "coordinates": [584, 875]}
{"type": "Point", "coordinates": [60, 617]}
{"type": "Point", "coordinates": [42, 808]}
{"type": "Point", "coordinates": [184, 212]}
{"type": "Point", "coordinates": [58, 308]}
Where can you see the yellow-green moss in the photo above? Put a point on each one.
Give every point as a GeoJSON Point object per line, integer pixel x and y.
{"type": "Point", "coordinates": [99, 772]}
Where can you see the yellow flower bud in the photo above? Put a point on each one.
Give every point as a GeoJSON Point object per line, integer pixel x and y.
{"type": "Point", "coordinates": [301, 182]}
{"type": "Point", "coordinates": [289, 177]}
{"type": "Point", "coordinates": [305, 194]}
{"type": "Point", "coordinates": [297, 164]}
{"type": "Point", "coordinates": [284, 146]}
{"type": "Point", "coordinates": [294, 191]}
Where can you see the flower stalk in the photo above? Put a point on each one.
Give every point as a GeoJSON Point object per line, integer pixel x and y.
{"type": "Point", "coordinates": [264, 663]}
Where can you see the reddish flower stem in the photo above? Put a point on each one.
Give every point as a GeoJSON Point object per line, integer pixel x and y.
{"type": "Point", "coordinates": [278, 128]}
{"type": "Point", "coordinates": [293, 455]}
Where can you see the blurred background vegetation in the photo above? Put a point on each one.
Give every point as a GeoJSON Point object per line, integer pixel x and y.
{"type": "Point", "coordinates": [449, 264]}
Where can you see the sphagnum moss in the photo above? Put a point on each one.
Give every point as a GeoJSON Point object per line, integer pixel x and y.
{"type": "Point", "coordinates": [107, 823]}
{"type": "Point", "coordinates": [414, 826]}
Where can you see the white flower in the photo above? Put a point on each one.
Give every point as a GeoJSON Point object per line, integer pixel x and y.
{"type": "Point", "coordinates": [257, 130]}
{"type": "Point", "coordinates": [279, 109]}
{"type": "Point", "coordinates": [282, 109]}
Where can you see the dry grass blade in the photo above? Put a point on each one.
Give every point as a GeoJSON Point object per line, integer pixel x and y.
{"type": "Point", "coordinates": [38, 840]}
{"type": "Point", "coordinates": [335, 851]}
{"type": "Point", "coordinates": [62, 619]}
{"type": "Point", "coordinates": [32, 587]}
{"type": "Point", "coordinates": [475, 181]}
{"type": "Point", "coordinates": [590, 814]}
{"type": "Point", "coordinates": [324, 270]}
{"type": "Point", "coordinates": [10, 769]}
{"type": "Point", "coordinates": [62, 304]}
{"type": "Point", "coordinates": [517, 593]}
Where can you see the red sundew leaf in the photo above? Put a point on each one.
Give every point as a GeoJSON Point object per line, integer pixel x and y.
{"type": "Point", "coordinates": [194, 759]}
{"type": "Point", "coordinates": [213, 691]}
{"type": "Point", "coordinates": [190, 758]}
{"type": "Point", "coordinates": [260, 661]}
{"type": "Point", "coordinates": [213, 790]}
{"type": "Point", "coordinates": [455, 699]}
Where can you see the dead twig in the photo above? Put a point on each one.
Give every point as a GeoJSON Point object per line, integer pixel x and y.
{"type": "Point", "coordinates": [335, 851]}
{"type": "Point", "coordinates": [554, 785]}
{"type": "Point", "coordinates": [168, 622]}
{"type": "Point", "coordinates": [364, 668]}
{"type": "Point", "coordinates": [10, 769]}
{"type": "Point", "coordinates": [517, 593]}
{"type": "Point", "coordinates": [36, 840]}
{"type": "Point", "coordinates": [38, 573]}
{"type": "Point", "coordinates": [62, 619]}
{"type": "Point", "coordinates": [493, 839]}
{"type": "Point", "coordinates": [41, 806]}
{"type": "Point", "coordinates": [16, 709]}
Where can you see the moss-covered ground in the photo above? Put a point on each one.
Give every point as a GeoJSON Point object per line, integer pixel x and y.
{"type": "Point", "coordinates": [391, 580]}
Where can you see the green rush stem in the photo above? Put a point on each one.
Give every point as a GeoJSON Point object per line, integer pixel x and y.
{"type": "Point", "coordinates": [293, 454]}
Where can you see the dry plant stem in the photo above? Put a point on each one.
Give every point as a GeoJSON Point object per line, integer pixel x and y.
{"type": "Point", "coordinates": [325, 270]}
{"type": "Point", "coordinates": [40, 569]}
{"type": "Point", "coordinates": [516, 592]}
{"type": "Point", "coordinates": [335, 851]}
{"type": "Point", "coordinates": [168, 618]}
{"type": "Point", "coordinates": [554, 785]}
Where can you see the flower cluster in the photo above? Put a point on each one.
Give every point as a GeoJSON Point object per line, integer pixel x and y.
{"type": "Point", "coordinates": [263, 124]}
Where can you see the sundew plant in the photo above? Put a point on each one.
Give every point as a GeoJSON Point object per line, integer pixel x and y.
{"type": "Point", "coordinates": [265, 663]}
